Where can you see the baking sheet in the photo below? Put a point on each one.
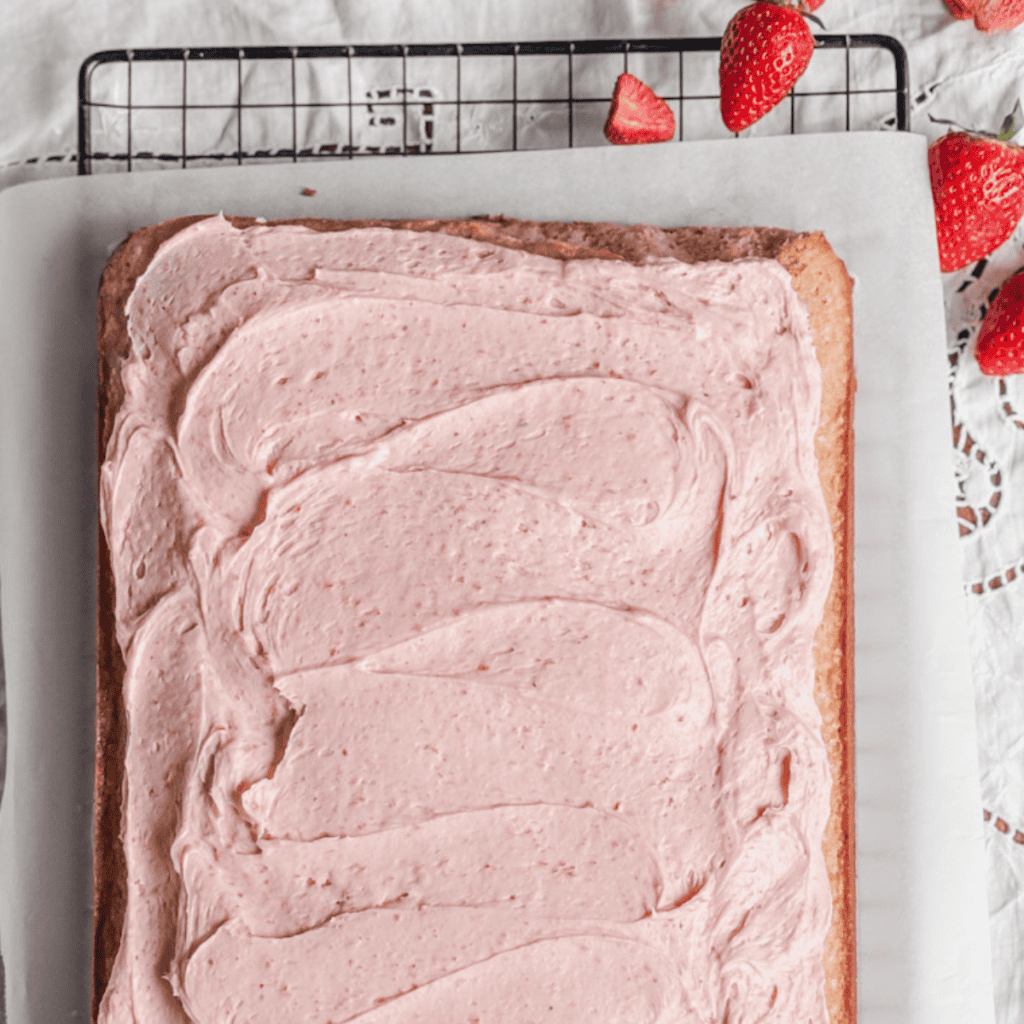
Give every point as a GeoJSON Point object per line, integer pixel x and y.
{"type": "Point", "coordinates": [923, 948]}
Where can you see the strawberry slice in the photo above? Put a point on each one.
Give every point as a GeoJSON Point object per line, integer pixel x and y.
{"type": "Point", "coordinates": [637, 115]}
{"type": "Point", "coordinates": [1000, 345]}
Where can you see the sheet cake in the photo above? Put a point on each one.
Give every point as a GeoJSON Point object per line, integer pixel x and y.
{"type": "Point", "coordinates": [469, 641]}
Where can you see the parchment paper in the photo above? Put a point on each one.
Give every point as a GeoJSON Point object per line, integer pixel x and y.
{"type": "Point", "coordinates": [923, 931]}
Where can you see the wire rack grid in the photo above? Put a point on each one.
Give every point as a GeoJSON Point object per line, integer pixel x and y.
{"type": "Point", "coordinates": [143, 109]}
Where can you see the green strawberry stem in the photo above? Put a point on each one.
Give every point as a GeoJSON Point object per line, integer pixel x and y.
{"type": "Point", "coordinates": [1009, 126]}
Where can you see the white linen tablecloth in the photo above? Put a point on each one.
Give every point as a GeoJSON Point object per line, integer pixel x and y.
{"type": "Point", "coordinates": [957, 74]}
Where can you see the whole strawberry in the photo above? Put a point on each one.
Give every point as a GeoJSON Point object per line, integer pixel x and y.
{"type": "Point", "coordinates": [1000, 346]}
{"type": "Point", "coordinates": [765, 49]}
{"type": "Point", "coordinates": [989, 15]}
{"type": "Point", "coordinates": [978, 191]}
{"type": "Point", "coordinates": [637, 115]}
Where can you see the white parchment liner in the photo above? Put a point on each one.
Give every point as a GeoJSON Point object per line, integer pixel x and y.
{"type": "Point", "coordinates": [923, 945]}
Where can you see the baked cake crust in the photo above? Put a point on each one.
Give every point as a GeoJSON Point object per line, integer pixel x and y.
{"type": "Point", "coordinates": [820, 279]}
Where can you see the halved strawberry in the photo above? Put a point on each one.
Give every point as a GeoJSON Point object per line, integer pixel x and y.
{"type": "Point", "coordinates": [637, 115]}
{"type": "Point", "coordinates": [765, 49]}
{"type": "Point", "coordinates": [1000, 345]}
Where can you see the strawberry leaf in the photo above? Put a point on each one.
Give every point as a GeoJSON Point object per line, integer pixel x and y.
{"type": "Point", "coordinates": [1011, 123]}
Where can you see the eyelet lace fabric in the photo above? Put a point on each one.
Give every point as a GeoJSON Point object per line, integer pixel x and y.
{"type": "Point", "coordinates": [987, 420]}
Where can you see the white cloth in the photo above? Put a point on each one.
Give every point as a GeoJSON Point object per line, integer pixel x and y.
{"type": "Point", "coordinates": [956, 73]}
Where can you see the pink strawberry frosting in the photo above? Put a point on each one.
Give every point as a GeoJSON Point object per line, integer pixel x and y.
{"type": "Point", "coordinates": [467, 599]}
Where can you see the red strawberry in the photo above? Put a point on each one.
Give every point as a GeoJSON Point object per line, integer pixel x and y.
{"type": "Point", "coordinates": [978, 191]}
{"type": "Point", "coordinates": [810, 5]}
{"type": "Point", "coordinates": [989, 15]}
{"type": "Point", "coordinates": [1000, 346]}
{"type": "Point", "coordinates": [766, 48]}
{"type": "Point", "coordinates": [637, 114]}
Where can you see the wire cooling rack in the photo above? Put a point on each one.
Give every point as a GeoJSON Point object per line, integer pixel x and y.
{"type": "Point", "coordinates": [146, 109]}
